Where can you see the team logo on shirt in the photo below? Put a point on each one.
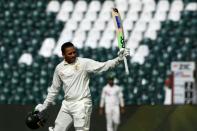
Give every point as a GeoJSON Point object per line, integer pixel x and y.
{"type": "Point", "coordinates": [77, 66]}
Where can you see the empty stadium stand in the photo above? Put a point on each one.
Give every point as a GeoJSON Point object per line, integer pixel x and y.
{"type": "Point", "coordinates": [32, 32]}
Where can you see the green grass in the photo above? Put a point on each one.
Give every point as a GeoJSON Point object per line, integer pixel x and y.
{"type": "Point", "coordinates": [162, 118]}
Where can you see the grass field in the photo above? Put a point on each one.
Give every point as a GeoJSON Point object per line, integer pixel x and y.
{"type": "Point", "coordinates": [162, 118]}
{"type": "Point", "coordinates": [136, 118]}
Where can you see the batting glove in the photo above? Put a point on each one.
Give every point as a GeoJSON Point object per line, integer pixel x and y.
{"type": "Point", "coordinates": [123, 52]}
{"type": "Point", "coordinates": [41, 107]}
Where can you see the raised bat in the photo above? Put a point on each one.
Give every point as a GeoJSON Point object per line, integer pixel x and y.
{"type": "Point", "coordinates": [120, 34]}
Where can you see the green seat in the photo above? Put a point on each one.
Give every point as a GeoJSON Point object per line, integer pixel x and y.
{"type": "Point", "coordinates": [141, 73]}
{"type": "Point", "coordinates": [3, 99]}
{"type": "Point", "coordinates": [55, 59]}
{"type": "Point", "coordinates": [193, 55]}
{"type": "Point", "coordinates": [12, 59]}
{"type": "Point", "coordinates": [186, 15]}
{"type": "Point", "coordinates": [15, 81]}
{"type": "Point", "coordinates": [29, 99]}
{"type": "Point", "coordinates": [20, 91]}
{"type": "Point", "coordinates": [2, 75]}
{"type": "Point", "coordinates": [6, 91]}
{"type": "Point", "coordinates": [59, 25]}
{"type": "Point", "coordinates": [16, 99]}
{"type": "Point", "coordinates": [60, 97]}
{"type": "Point", "coordinates": [22, 68]}
{"type": "Point", "coordinates": [43, 82]}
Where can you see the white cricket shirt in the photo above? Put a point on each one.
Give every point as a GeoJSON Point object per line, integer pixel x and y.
{"type": "Point", "coordinates": [75, 78]}
{"type": "Point", "coordinates": [112, 96]}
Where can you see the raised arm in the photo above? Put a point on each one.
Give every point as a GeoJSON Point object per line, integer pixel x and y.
{"type": "Point", "coordinates": [93, 66]}
{"type": "Point", "coordinates": [98, 67]}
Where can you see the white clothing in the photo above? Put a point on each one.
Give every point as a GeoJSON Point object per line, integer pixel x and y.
{"type": "Point", "coordinates": [112, 98]}
{"type": "Point", "coordinates": [168, 96]}
{"type": "Point", "coordinates": [78, 112]}
{"type": "Point", "coordinates": [113, 118]}
{"type": "Point", "coordinates": [75, 78]}
{"type": "Point", "coordinates": [76, 104]}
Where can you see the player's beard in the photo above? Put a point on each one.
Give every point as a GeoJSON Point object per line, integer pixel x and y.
{"type": "Point", "coordinates": [72, 60]}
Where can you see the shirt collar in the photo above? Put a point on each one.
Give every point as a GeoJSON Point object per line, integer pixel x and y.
{"type": "Point", "coordinates": [66, 63]}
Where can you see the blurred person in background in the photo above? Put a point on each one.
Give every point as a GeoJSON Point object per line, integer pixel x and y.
{"type": "Point", "coordinates": [168, 90]}
{"type": "Point", "coordinates": [113, 101]}
{"type": "Point", "coordinates": [74, 72]}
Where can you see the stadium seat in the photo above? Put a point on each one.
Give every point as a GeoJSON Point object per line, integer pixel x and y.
{"type": "Point", "coordinates": [108, 35]}
{"type": "Point", "coordinates": [136, 6]}
{"type": "Point", "coordinates": [132, 44]}
{"type": "Point", "coordinates": [152, 34]}
{"type": "Point", "coordinates": [77, 16]}
{"type": "Point", "coordinates": [175, 16]}
{"type": "Point", "coordinates": [160, 16]}
{"type": "Point", "coordinates": [105, 16]}
{"type": "Point", "coordinates": [81, 6]}
{"type": "Point", "coordinates": [140, 26]}
{"type": "Point", "coordinates": [149, 5]}
{"type": "Point", "coordinates": [94, 6]}
{"type": "Point", "coordinates": [163, 6]}
{"type": "Point", "coordinates": [65, 10]}
{"type": "Point", "coordinates": [146, 16]}
{"type": "Point", "coordinates": [71, 25]}
{"type": "Point", "coordinates": [137, 34]}
{"type": "Point", "coordinates": [3, 99]}
{"type": "Point", "coordinates": [93, 38]}
{"type": "Point", "coordinates": [53, 6]}
{"type": "Point", "coordinates": [154, 25]}
{"type": "Point", "coordinates": [122, 5]}
{"type": "Point", "coordinates": [91, 16]}
{"type": "Point", "coordinates": [106, 43]}
{"type": "Point", "coordinates": [177, 6]}
{"type": "Point", "coordinates": [26, 58]}
{"type": "Point", "coordinates": [99, 25]}
{"type": "Point", "coordinates": [158, 32]}
{"type": "Point", "coordinates": [85, 25]}
{"type": "Point", "coordinates": [110, 25]}
{"type": "Point", "coordinates": [67, 6]}
{"type": "Point", "coordinates": [140, 54]}
{"type": "Point", "coordinates": [47, 47]}
{"type": "Point", "coordinates": [79, 38]}
{"type": "Point", "coordinates": [107, 5]}
{"type": "Point", "coordinates": [191, 6]}
{"type": "Point", "coordinates": [134, 14]}
{"type": "Point", "coordinates": [128, 24]}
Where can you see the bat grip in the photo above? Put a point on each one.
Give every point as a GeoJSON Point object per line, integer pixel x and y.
{"type": "Point", "coordinates": [126, 66]}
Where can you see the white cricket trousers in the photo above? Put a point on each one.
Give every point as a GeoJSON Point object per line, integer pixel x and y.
{"type": "Point", "coordinates": [112, 117]}
{"type": "Point", "coordinates": [78, 112]}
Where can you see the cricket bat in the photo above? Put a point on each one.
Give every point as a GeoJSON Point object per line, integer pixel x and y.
{"type": "Point", "coordinates": [120, 34]}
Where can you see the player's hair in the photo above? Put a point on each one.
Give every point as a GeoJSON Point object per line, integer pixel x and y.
{"type": "Point", "coordinates": [110, 78]}
{"type": "Point", "coordinates": [66, 45]}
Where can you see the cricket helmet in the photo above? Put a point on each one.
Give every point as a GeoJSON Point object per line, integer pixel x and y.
{"type": "Point", "coordinates": [35, 120]}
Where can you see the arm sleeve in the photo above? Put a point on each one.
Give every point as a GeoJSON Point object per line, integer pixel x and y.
{"type": "Point", "coordinates": [102, 99]}
{"type": "Point", "coordinates": [121, 98]}
{"type": "Point", "coordinates": [98, 67]}
{"type": "Point", "coordinates": [54, 89]}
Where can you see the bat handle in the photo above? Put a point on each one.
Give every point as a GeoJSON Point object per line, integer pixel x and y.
{"type": "Point", "coordinates": [126, 66]}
